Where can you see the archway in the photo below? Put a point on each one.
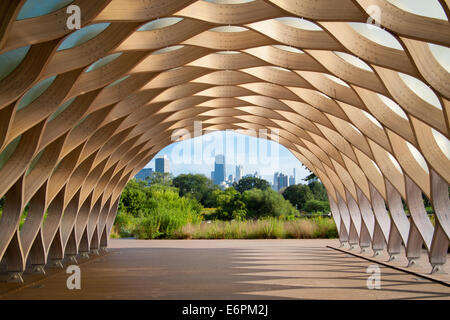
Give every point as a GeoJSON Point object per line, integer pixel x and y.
{"type": "Point", "coordinates": [82, 111]}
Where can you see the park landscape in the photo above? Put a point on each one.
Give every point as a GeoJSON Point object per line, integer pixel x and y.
{"type": "Point", "coordinates": [190, 206]}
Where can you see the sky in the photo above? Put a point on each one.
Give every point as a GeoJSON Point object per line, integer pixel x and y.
{"type": "Point", "coordinates": [196, 155]}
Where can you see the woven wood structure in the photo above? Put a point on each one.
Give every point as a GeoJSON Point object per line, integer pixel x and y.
{"type": "Point", "coordinates": [365, 108]}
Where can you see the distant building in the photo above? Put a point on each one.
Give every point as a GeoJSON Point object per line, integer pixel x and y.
{"type": "Point", "coordinates": [275, 181]}
{"type": "Point", "coordinates": [219, 169]}
{"type": "Point", "coordinates": [230, 178]}
{"type": "Point", "coordinates": [144, 173]}
{"type": "Point", "coordinates": [239, 173]}
{"type": "Point", "coordinates": [162, 165]}
{"type": "Point", "coordinates": [212, 176]}
{"type": "Point", "coordinates": [282, 181]}
{"type": "Point", "coordinates": [256, 175]}
{"type": "Point", "coordinates": [292, 180]}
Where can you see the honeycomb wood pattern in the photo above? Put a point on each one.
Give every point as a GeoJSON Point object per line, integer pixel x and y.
{"type": "Point", "coordinates": [75, 166]}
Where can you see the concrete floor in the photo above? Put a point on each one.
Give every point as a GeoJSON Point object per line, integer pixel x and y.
{"type": "Point", "coordinates": [227, 269]}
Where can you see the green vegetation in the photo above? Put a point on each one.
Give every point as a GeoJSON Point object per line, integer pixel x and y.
{"type": "Point", "coordinates": [248, 183]}
{"type": "Point", "coordinates": [316, 206]}
{"type": "Point", "coordinates": [155, 211]}
{"type": "Point", "coordinates": [310, 198]}
{"type": "Point", "coordinates": [267, 203]}
{"type": "Point", "coordinates": [229, 205]}
{"type": "Point", "coordinates": [298, 195]}
{"type": "Point", "coordinates": [196, 186]}
{"type": "Point", "coordinates": [190, 206]}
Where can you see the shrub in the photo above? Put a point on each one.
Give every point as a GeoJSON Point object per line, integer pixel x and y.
{"type": "Point", "coordinates": [161, 213]}
{"type": "Point", "coordinates": [125, 223]}
{"type": "Point", "coordinates": [266, 203]}
{"type": "Point", "coordinates": [318, 190]}
{"type": "Point", "coordinates": [325, 228]}
{"type": "Point", "coordinates": [316, 206]}
{"type": "Point", "coordinates": [230, 205]}
{"type": "Point", "coordinates": [298, 195]}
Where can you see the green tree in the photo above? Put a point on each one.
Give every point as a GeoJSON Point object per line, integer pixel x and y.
{"type": "Point", "coordinates": [209, 200]}
{"type": "Point", "coordinates": [317, 187]}
{"type": "Point", "coordinates": [230, 205]}
{"type": "Point", "coordinates": [133, 198]}
{"type": "Point", "coordinates": [298, 195]}
{"type": "Point", "coordinates": [248, 183]}
{"type": "Point", "coordinates": [266, 203]}
{"type": "Point", "coordinates": [318, 190]}
{"type": "Point", "coordinates": [314, 205]}
{"type": "Point", "coordinates": [195, 185]}
{"type": "Point", "coordinates": [311, 177]}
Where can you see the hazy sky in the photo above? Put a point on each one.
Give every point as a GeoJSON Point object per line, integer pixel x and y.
{"type": "Point", "coordinates": [254, 154]}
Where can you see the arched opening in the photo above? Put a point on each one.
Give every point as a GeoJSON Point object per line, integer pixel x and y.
{"type": "Point", "coordinates": [229, 180]}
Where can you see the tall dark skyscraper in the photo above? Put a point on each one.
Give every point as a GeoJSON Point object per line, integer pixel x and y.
{"type": "Point", "coordinates": [275, 181]}
{"type": "Point", "coordinates": [162, 164]}
{"type": "Point", "coordinates": [219, 169]}
{"type": "Point", "coordinates": [282, 181]}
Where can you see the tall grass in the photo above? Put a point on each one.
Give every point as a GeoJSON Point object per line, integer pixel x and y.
{"type": "Point", "coordinates": [260, 229]}
{"type": "Point", "coordinates": [158, 224]}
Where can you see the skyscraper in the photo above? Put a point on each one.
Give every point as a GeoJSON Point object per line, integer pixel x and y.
{"type": "Point", "coordinates": [275, 181]}
{"type": "Point", "coordinates": [282, 181]}
{"type": "Point", "coordinates": [291, 180]}
{"type": "Point", "coordinates": [219, 169]}
{"type": "Point", "coordinates": [162, 164]}
{"type": "Point", "coordinates": [239, 173]}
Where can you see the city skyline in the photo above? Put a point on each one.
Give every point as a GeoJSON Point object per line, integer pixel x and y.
{"type": "Point", "coordinates": [283, 157]}
{"type": "Point", "coordinates": [218, 176]}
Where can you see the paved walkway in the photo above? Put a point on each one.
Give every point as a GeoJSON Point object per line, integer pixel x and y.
{"type": "Point", "coordinates": [229, 269]}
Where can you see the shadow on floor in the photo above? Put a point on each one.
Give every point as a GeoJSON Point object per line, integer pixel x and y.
{"type": "Point", "coordinates": [306, 272]}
